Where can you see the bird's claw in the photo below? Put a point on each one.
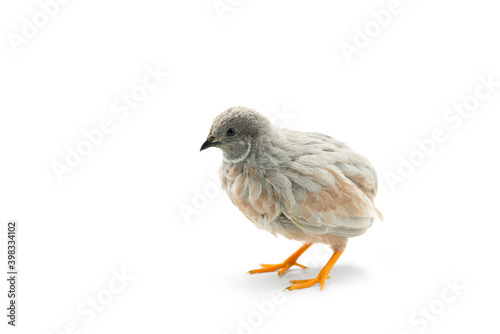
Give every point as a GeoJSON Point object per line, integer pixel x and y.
{"type": "Point", "coordinates": [282, 267]}
{"type": "Point", "coordinates": [307, 283]}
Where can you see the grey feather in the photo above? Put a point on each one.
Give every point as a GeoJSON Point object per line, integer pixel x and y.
{"type": "Point", "coordinates": [302, 185]}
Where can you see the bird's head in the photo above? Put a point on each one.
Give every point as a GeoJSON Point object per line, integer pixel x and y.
{"type": "Point", "coordinates": [235, 131]}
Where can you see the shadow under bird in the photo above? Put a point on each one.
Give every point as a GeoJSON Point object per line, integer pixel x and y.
{"type": "Point", "coordinates": [304, 186]}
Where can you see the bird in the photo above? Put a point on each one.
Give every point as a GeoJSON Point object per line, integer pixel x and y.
{"type": "Point", "coordinates": [304, 186]}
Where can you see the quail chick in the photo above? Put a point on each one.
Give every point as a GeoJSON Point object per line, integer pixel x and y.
{"type": "Point", "coordinates": [304, 186]}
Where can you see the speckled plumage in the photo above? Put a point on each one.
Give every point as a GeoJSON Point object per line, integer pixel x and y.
{"type": "Point", "coordinates": [301, 185]}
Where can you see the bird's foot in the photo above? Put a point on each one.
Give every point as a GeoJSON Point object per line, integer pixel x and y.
{"type": "Point", "coordinates": [282, 267]}
{"type": "Point", "coordinates": [307, 283]}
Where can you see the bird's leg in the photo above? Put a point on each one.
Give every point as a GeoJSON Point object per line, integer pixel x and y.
{"type": "Point", "coordinates": [321, 278]}
{"type": "Point", "coordinates": [283, 267]}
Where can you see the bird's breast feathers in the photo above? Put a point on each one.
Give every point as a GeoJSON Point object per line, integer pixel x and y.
{"type": "Point", "coordinates": [317, 183]}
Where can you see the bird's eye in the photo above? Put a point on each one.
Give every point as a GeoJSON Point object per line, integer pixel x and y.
{"type": "Point", "coordinates": [230, 132]}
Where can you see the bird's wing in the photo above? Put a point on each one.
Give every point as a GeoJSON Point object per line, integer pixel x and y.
{"type": "Point", "coordinates": [332, 186]}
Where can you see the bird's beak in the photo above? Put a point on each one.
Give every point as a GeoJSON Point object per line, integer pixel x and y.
{"type": "Point", "coordinates": [209, 143]}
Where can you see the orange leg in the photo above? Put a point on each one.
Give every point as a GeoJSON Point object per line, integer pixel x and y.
{"type": "Point", "coordinates": [283, 267]}
{"type": "Point", "coordinates": [321, 278]}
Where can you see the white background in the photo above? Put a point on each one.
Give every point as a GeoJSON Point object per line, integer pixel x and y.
{"type": "Point", "coordinates": [121, 207]}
